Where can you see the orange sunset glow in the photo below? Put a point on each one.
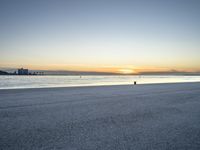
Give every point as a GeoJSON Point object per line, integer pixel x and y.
{"type": "Point", "coordinates": [117, 41]}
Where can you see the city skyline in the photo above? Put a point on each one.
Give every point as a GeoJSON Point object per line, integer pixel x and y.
{"type": "Point", "coordinates": [125, 37]}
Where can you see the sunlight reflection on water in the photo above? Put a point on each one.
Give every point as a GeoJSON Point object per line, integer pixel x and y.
{"type": "Point", "coordinates": [12, 82]}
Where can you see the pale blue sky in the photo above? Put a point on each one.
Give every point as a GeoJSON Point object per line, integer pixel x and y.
{"type": "Point", "coordinates": [81, 34]}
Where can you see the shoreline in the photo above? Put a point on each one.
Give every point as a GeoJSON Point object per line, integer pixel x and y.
{"type": "Point", "coordinates": [82, 86]}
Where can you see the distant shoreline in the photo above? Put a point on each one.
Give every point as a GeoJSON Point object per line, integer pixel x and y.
{"type": "Point", "coordinates": [10, 74]}
{"type": "Point", "coordinates": [88, 73]}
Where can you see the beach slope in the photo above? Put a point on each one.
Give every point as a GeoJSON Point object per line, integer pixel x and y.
{"type": "Point", "coordinates": [153, 117]}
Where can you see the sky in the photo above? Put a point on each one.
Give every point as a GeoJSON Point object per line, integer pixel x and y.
{"type": "Point", "coordinates": [127, 36]}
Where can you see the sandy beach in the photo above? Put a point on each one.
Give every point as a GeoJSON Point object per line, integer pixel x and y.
{"type": "Point", "coordinates": [153, 117]}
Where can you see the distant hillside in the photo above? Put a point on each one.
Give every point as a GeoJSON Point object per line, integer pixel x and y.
{"type": "Point", "coordinates": [173, 72]}
{"type": "Point", "coordinates": [3, 73]}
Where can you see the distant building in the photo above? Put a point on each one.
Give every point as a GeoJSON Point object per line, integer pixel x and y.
{"type": "Point", "coordinates": [22, 71]}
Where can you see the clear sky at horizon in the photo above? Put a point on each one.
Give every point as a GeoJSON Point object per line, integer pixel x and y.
{"type": "Point", "coordinates": [113, 36]}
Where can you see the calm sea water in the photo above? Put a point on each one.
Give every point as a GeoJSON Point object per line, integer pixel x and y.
{"type": "Point", "coordinates": [12, 82]}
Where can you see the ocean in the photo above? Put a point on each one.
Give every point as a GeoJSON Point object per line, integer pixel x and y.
{"type": "Point", "coordinates": [15, 82]}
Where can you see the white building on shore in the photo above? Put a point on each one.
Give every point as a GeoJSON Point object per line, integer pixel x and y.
{"type": "Point", "coordinates": [22, 71]}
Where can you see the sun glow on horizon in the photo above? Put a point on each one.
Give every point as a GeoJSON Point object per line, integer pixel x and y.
{"type": "Point", "coordinates": [126, 71]}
